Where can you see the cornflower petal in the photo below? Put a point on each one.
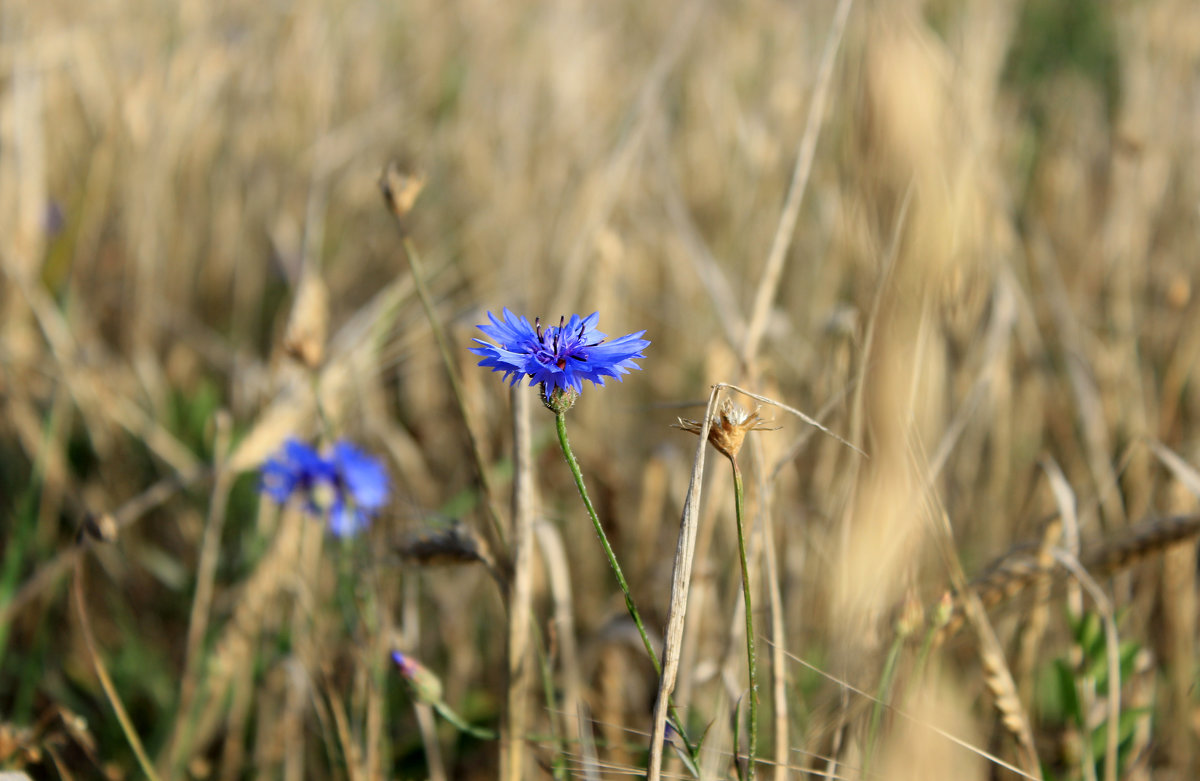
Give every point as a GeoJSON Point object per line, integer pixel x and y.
{"type": "Point", "coordinates": [558, 357]}
{"type": "Point", "coordinates": [297, 468]}
{"type": "Point", "coordinates": [346, 485]}
{"type": "Point", "coordinates": [345, 520]}
{"type": "Point", "coordinates": [362, 475]}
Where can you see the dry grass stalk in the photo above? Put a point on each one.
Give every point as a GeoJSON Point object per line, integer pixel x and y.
{"type": "Point", "coordinates": [1177, 595]}
{"type": "Point", "coordinates": [769, 281]}
{"type": "Point", "coordinates": [233, 751]}
{"type": "Point", "coordinates": [1083, 384]}
{"type": "Point", "coordinates": [680, 583]}
{"type": "Point", "coordinates": [1034, 628]}
{"type": "Point", "coordinates": [392, 183]}
{"type": "Point", "coordinates": [234, 650]}
{"type": "Point", "coordinates": [514, 765]}
{"type": "Point", "coordinates": [110, 691]}
{"type": "Point", "coordinates": [1064, 497]}
{"type": "Point", "coordinates": [613, 672]}
{"type": "Point", "coordinates": [576, 724]}
{"type": "Point", "coordinates": [779, 677]}
{"type": "Point", "coordinates": [206, 573]}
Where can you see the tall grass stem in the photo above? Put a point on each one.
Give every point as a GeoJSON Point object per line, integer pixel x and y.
{"type": "Point", "coordinates": [739, 494]}
{"type": "Point", "coordinates": [443, 344]}
{"type": "Point", "coordinates": [520, 596]}
{"type": "Point", "coordinates": [110, 691]}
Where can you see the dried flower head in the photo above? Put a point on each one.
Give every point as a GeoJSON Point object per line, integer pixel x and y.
{"type": "Point", "coordinates": [729, 427]}
{"type": "Point", "coordinates": [101, 528]}
{"type": "Point", "coordinates": [400, 188]}
{"type": "Point", "coordinates": [308, 324]}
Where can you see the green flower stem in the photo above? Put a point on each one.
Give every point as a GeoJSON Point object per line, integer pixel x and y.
{"type": "Point", "coordinates": [751, 657]}
{"type": "Point", "coordinates": [560, 422]}
{"type": "Point", "coordinates": [461, 724]}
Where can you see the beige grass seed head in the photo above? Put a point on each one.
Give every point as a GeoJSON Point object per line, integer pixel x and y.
{"type": "Point", "coordinates": [308, 325]}
{"type": "Point", "coordinates": [400, 188]}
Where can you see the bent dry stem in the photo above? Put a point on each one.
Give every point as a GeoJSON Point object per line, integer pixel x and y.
{"type": "Point", "coordinates": [560, 423]}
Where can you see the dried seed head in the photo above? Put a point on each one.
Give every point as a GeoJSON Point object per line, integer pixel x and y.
{"type": "Point", "coordinates": [101, 528]}
{"type": "Point", "coordinates": [729, 427]}
{"type": "Point", "coordinates": [455, 544]}
{"type": "Point", "coordinates": [400, 189]}
{"type": "Point", "coordinates": [309, 323]}
{"type": "Point", "coordinates": [911, 618]}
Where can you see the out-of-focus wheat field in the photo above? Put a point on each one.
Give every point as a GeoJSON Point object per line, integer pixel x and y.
{"type": "Point", "coordinates": [968, 245]}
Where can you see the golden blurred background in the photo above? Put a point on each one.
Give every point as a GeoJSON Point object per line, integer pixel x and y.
{"type": "Point", "coordinates": [962, 235]}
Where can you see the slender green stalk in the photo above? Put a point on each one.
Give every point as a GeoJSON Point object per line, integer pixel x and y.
{"type": "Point", "coordinates": [560, 422]}
{"type": "Point", "coordinates": [882, 698]}
{"type": "Point", "coordinates": [443, 344]}
{"type": "Point", "coordinates": [106, 683]}
{"type": "Point", "coordinates": [461, 724]}
{"type": "Point", "coordinates": [751, 657]}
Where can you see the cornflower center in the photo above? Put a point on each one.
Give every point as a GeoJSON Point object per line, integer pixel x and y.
{"type": "Point", "coordinates": [555, 345]}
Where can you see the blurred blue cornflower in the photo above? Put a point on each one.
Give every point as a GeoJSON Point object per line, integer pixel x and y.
{"type": "Point", "coordinates": [346, 485]}
{"type": "Point", "coordinates": [558, 357]}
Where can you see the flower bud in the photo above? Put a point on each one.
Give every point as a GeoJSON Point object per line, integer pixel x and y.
{"type": "Point", "coordinates": [425, 686]}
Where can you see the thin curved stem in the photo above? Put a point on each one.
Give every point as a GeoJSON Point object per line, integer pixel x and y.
{"type": "Point", "coordinates": [882, 698]}
{"type": "Point", "coordinates": [751, 657]}
{"type": "Point", "coordinates": [560, 423]}
{"type": "Point", "coordinates": [106, 683]}
{"type": "Point", "coordinates": [456, 390]}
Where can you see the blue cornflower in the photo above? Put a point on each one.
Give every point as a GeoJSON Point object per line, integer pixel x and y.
{"type": "Point", "coordinates": [347, 485]}
{"type": "Point", "coordinates": [558, 357]}
{"type": "Point", "coordinates": [361, 489]}
{"type": "Point", "coordinates": [297, 469]}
